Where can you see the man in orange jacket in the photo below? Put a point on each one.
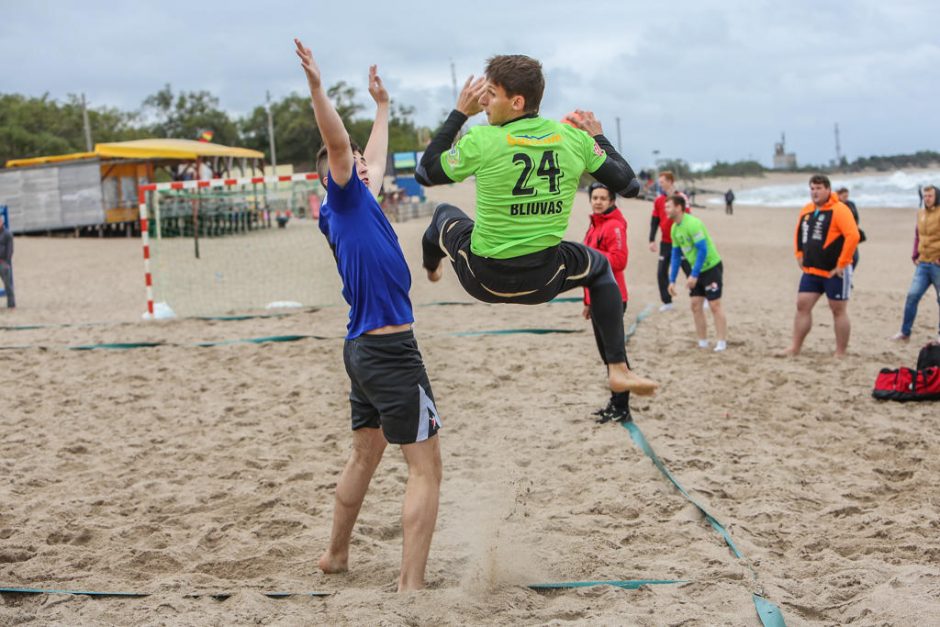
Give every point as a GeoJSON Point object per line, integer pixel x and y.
{"type": "Point", "coordinates": [826, 238]}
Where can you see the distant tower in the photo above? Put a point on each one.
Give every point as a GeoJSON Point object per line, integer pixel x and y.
{"type": "Point", "coordinates": [838, 148]}
{"type": "Point", "coordinates": [783, 160]}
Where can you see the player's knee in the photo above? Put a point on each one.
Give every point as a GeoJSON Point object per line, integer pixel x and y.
{"type": "Point", "coordinates": [424, 460]}
{"type": "Point", "coordinates": [368, 446]}
{"type": "Point", "coordinates": [804, 305]}
{"type": "Point", "coordinates": [443, 212]}
{"type": "Point", "coordinates": [600, 268]}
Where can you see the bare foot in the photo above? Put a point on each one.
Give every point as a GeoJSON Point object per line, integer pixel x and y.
{"type": "Point", "coordinates": [331, 564]}
{"type": "Point", "coordinates": [790, 352]}
{"type": "Point", "coordinates": [404, 586]}
{"type": "Point", "coordinates": [435, 275]}
{"type": "Point", "coordinates": [839, 355]}
{"type": "Point", "coordinates": [622, 380]}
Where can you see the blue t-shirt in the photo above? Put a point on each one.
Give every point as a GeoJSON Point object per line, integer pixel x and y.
{"type": "Point", "coordinates": [375, 275]}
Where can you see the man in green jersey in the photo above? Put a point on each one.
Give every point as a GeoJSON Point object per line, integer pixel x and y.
{"type": "Point", "coordinates": [527, 170]}
{"type": "Point", "coordinates": [690, 239]}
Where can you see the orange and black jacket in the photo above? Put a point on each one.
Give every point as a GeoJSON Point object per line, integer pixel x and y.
{"type": "Point", "coordinates": [826, 238]}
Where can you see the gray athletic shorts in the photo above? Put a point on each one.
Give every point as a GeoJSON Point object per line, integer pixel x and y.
{"type": "Point", "coordinates": [390, 387]}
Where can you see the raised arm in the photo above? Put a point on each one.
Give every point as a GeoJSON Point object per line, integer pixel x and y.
{"type": "Point", "coordinates": [330, 124]}
{"type": "Point", "coordinates": [429, 171]}
{"type": "Point", "coordinates": [376, 152]}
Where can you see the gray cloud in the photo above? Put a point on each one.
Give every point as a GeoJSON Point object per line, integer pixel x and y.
{"type": "Point", "coordinates": [698, 80]}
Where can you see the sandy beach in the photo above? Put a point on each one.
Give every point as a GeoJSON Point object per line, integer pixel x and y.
{"type": "Point", "coordinates": [181, 470]}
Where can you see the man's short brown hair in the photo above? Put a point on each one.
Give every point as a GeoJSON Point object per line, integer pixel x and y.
{"type": "Point", "coordinates": [678, 200]}
{"type": "Point", "coordinates": [323, 162]}
{"type": "Point", "coordinates": [519, 75]}
{"type": "Point", "coordinates": [820, 179]}
{"type": "Point", "coordinates": [930, 188]}
{"type": "Point", "coordinates": [669, 176]}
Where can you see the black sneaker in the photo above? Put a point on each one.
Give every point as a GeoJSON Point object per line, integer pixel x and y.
{"type": "Point", "coordinates": [612, 412]}
{"type": "Point", "coordinates": [601, 411]}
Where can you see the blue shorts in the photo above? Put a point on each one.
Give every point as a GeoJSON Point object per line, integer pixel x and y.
{"type": "Point", "coordinates": [835, 287]}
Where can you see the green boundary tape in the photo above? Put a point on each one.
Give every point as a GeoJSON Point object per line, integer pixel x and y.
{"type": "Point", "coordinates": [769, 614]}
{"type": "Point", "coordinates": [629, 584]}
{"type": "Point", "coordinates": [514, 331]}
{"type": "Point", "coordinates": [266, 340]}
{"type": "Point", "coordinates": [116, 346]}
{"type": "Point", "coordinates": [640, 317]}
{"type": "Point", "coordinates": [240, 317]}
{"type": "Point", "coordinates": [90, 593]}
{"type": "Point", "coordinates": [218, 595]}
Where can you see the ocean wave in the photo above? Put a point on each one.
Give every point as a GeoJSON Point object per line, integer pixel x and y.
{"type": "Point", "coordinates": [898, 189]}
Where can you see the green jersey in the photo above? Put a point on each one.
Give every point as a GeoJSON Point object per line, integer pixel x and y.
{"type": "Point", "coordinates": [687, 234]}
{"type": "Point", "coordinates": [527, 173]}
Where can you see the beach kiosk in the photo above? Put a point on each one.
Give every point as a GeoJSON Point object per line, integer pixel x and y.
{"type": "Point", "coordinates": [99, 189]}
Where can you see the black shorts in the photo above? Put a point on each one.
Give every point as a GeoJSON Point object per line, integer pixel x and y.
{"type": "Point", "coordinates": [709, 284]}
{"type": "Point", "coordinates": [526, 280]}
{"type": "Point", "coordinates": [390, 387]}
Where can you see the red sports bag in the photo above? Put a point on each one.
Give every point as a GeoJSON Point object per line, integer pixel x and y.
{"type": "Point", "coordinates": [906, 384]}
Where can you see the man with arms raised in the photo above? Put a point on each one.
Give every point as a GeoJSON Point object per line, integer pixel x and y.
{"type": "Point", "coordinates": [391, 397]}
{"type": "Point", "coordinates": [826, 237]}
{"type": "Point", "coordinates": [527, 170]}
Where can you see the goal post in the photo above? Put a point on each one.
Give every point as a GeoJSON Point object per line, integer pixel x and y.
{"type": "Point", "coordinates": [222, 246]}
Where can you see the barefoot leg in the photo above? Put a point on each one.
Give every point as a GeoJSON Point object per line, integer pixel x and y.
{"type": "Point", "coordinates": [622, 379]}
{"type": "Point", "coordinates": [368, 446]}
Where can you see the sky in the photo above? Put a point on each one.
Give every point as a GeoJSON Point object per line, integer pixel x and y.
{"type": "Point", "coordinates": [696, 80]}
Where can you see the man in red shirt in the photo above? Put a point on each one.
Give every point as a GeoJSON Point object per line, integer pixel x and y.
{"type": "Point", "coordinates": [659, 220]}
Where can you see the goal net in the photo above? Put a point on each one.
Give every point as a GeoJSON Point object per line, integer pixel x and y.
{"type": "Point", "coordinates": [235, 246]}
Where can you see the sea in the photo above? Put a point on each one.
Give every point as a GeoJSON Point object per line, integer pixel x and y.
{"type": "Point", "coordinates": [895, 189]}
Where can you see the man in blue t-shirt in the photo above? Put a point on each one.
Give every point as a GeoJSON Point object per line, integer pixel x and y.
{"type": "Point", "coordinates": [391, 396]}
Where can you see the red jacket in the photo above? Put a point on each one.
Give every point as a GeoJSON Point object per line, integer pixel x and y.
{"type": "Point", "coordinates": [608, 234]}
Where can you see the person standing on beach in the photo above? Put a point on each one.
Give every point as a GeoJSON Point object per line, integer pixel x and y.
{"type": "Point", "coordinates": [926, 258]}
{"type": "Point", "coordinates": [729, 202]}
{"type": "Point", "coordinates": [391, 396]}
{"type": "Point", "coordinates": [607, 234]}
{"type": "Point", "coordinates": [527, 170]}
{"type": "Point", "coordinates": [6, 264]}
{"type": "Point", "coordinates": [660, 221]}
{"type": "Point", "coordinates": [691, 241]}
{"type": "Point", "coordinates": [843, 193]}
{"type": "Point", "coordinates": [825, 241]}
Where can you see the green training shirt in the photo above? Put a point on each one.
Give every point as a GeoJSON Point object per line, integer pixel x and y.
{"type": "Point", "coordinates": [687, 233]}
{"type": "Point", "coordinates": [527, 175]}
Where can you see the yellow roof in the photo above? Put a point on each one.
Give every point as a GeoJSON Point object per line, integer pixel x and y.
{"type": "Point", "coordinates": [184, 149]}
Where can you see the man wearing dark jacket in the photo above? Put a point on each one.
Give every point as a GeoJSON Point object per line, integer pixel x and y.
{"type": "Point", "coordinates": [6, 259]}
{"type": "Point", "coordinates": [607, 234]}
